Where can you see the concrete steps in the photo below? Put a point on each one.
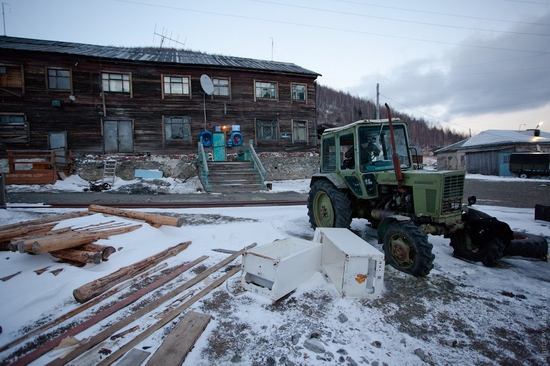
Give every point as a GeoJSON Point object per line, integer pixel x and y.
{"type": "Point", "coordinates": [231, 177]}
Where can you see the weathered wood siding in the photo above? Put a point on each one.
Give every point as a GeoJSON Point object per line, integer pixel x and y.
{"type": "Point", "coordinates": [145, 106]}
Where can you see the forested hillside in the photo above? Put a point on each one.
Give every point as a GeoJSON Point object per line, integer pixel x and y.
{"type": "Point", "coordinates": [339, 108]}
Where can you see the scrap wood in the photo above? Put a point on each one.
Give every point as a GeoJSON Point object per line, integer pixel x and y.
{"type": "Point", "coordinates": [4, 279]}
{"type": "Point", "coordinates": [83, 307]}
{"type": "Point", "coordinates": [98, 338]}
{"type": "Point", "coordinates": [45, 220]}
{"type": "Point", "coordinates": [134, 357]}
{"type": "Point", "coordinates": [105, 251]}
{"type": "Point", "coordinates": [41, 270]}
{"type": "Point", "coordinates": [94, 288]}
{"type": "Point", "coordinates": [226, 251]}
{"type": "Point", "coordinates": [122, 334]}
{"type": "Point", "coordinates": [73, 239]}
{"type": "Point", "coordinates": [154, 220]}
{"type": "Point", "coordinates": [181, 340]}
{"type": "Point", "coordinates": [10, 234]}
{"type": "Point", "coordinates": [56, 271]}
{"type": "Point", "coordinates": [168, 318]}
{"type": "Point", "coordinates": [170, 307]}
{"type": "Point", "coordinates": [76, 255]}
{"type": "Point", "coordinates": [24, 360]}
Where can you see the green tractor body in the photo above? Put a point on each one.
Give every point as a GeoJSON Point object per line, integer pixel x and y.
{"type": "Point", "coordinates": [367, 171]}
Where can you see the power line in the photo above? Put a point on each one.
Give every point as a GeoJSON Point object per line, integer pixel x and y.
{"type": "Point", "coordinates": [335, 29]}
{"type": "Point", "coordinates": [445, 14]}
{"type": "Point", "coordinates": [398, 20]}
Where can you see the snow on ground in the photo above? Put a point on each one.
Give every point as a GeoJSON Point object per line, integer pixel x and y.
{"type": "Point", "coordinates": [461, 314]}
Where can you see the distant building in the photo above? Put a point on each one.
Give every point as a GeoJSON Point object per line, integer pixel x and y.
{"type": "Point", "coordinates": [103, 99]}
{"type": "Point", "coordinates": [489, 152]}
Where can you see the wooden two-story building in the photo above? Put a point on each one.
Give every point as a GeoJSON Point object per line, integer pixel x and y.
{"type": "Point", "coordinates": [93, 99]}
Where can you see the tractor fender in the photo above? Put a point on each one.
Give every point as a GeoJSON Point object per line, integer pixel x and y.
{"type": "Point", "coordinates": [387, 221]}
{"type": "Point", "coordinates": [334, 179]}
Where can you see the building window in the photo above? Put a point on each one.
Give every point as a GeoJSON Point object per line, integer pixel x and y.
{"type": "Point", "coordinates": [116, 83]}
{"type": "Point", "coordinates": [11, 76]}
{"type": "Point", "coordinates": [14, 128]}
{"type": "Point", "coordinates": [299, 131]}
{"type": "Point", "coordinates": [266, 130]}
{"type": "Point", "coordinates": [177, 128]}
{"type": "Point", "coordinates": [298, 92]}
{"type": "Point", "coordinates": [176, 85]}
{"type": "Point", "coordinates": [221, 87]}
{"type": "Point", "coordinates": [59, 79]}
{"type": "Point", "coordinates": [266, 90]}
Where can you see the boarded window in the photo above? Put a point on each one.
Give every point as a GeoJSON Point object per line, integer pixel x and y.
{"type": "Point", "coordinates": [176, 85]}
{"type": "Point", "coordinates": [299, 131]}
{"type": "Point", "coordinates": [266, 90]}
{"type": "Point", "coordinates": [59, 79]}
{"type": "Point", "coordinates": [14, 128]}
{"type": "Point", "coordinates": [221, 86]}
{"type": "Point", "coordinates": [177, 128]}
{"type": "Point", "coordinates": [117, 83]}
{"type": "Point", "coordinates": [298, 92]}
{"type": "Point", "coordinates": [11, 77]}
{"type": "Point", "coordinates": [266, 130]}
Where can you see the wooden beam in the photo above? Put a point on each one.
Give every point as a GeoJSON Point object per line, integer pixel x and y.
{"type": "Point", "coordinates": [97, 287]}
{"type": "Point", "coordinates": [153, 219]}
{"type": "Point", "coordinates": [101, 336]}
{"type": "Point", "coordinates": [175, 347]}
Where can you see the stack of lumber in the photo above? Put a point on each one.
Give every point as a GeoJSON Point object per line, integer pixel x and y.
{"type": "Point", "coordinates": [75, 246]}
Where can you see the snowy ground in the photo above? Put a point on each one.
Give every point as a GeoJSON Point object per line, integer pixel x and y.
{"type": "Point", "coordinates": [461, 314]}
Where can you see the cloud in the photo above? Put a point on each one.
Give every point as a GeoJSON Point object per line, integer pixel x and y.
{"type": "Point", "coordinates": [509, 72]}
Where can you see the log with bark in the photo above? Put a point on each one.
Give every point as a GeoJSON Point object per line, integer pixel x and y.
{"type": "Point", "coordinates": [6, 233]}
{"type": "Point", "coordinates": [105, 251]}
{"type": "Point", "coordinates": [75, 255]}
{"type": "Point", "coordinates": [154, 220]}
{"type": "Point", "coordinates": [71, 239]}
{"type": "Point", "coordinates": [97, 287]}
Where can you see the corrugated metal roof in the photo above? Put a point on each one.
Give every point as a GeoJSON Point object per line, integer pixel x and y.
{"type": "Point", "coordinates": [498, 138]}
{"type": "Point", "coordinates": [149, 54]}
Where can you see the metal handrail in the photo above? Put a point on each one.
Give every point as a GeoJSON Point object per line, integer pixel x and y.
{"type": "Point", "coordinates": [203, 167]}
{"type": "Point", "coordinates": [258, 166]}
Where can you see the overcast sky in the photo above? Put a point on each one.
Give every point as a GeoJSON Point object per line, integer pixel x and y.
{"type": "Point", "coordinates": [469, 65]}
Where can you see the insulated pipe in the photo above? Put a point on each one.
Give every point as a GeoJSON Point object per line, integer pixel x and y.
{"type": "Point", "coordinates": [395, 157]}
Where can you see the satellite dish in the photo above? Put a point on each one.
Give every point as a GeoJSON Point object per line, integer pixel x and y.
{"type": "Point", "coordinates": [206, 84]}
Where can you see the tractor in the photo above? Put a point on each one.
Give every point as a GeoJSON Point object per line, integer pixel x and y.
{"type": "Point", "coordinates": [367, 171]}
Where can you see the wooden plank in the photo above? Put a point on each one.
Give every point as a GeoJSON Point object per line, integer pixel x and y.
{"type": "Point", "coordinates": [83, 307]}
{"type": "Point", "coordinates": [134, 358]}
{"type": "Point", "coordinates": [181, 340]}
{"type": "Point", "coordinates": [92, 289]}
{"type": "Point", "coordinates": [161, 323]}
{"type": "Point", "coordinates": [96, 339]}
{"type": "Point", "coordinates": [105, 313]}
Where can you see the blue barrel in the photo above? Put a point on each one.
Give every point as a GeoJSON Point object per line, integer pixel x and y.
{"type": "Point", "coordinates": [206, 138]}
{"type": "Point", "coordinates": [236, 138]}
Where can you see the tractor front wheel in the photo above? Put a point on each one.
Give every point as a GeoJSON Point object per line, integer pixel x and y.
{"type": "Point", "coordinates": [407, 249]}
{"type": "Point", "coordinates": [328, 206]}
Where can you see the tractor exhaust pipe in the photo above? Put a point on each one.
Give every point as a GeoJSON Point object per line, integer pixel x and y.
{"type": "Point", "coordinates": [395, 157]}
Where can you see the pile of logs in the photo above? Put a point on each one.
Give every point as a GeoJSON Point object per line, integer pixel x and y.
{"type": "Point", "coordinates": [74, 245]}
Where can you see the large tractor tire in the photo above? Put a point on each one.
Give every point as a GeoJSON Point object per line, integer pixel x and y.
{"type": "Point", "coordinates": [528, 246]}
{"type": "Point", "coordinates": [328, 206]}
{"type": "Point", "coordinates": [407, 248]}
{"type": "Point", "coordinates": [487, 251]}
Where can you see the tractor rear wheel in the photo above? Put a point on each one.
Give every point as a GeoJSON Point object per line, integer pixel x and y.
{"type": "Point", "coordinates": [407, 249]}
{"type": "Point", "coordinates": [487, 251]}
{"type": "Point", "coordinates": [328, 206]}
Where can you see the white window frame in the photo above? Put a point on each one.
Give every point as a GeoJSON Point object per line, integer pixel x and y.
{"type": "Point", "coordinates": [185, 85]}
{"type": "Point", "coordinates": [265, 90]}
{"type": "Point", "coordinates": [294, 92]}
{"type": "Point", "coordinates": [110, 80]}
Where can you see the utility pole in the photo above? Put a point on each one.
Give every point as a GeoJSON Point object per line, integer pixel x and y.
{"type": "Point", "coordinates": [4, 16]}
{"type": "Point", "coordinates": [377, 101]}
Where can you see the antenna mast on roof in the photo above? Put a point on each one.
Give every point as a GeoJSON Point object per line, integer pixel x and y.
{"type": "Point", "coordinates": [164, 35]}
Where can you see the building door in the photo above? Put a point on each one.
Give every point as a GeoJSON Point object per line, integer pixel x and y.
{"type": "Point", "coordinates": [118, 137]}
{"type": "Point", "coordinates": [218, 145]}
